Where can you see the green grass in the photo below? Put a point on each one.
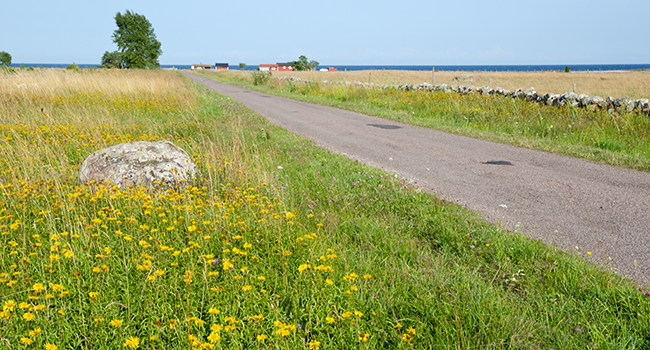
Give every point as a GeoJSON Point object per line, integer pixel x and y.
{"type": "Point", "coordinates": [617, 139]}
{"type": "Point", "coordinates": [279, 245]}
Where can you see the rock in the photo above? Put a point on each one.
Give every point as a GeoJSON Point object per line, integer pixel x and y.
{"type": "Point", "coordinates": [426, 87]}
{"type": "Point", "coordinates": [466, 89]}
{"type": "Point", "coordinates": [465, 78]}
{"type": "Point", "coordinates": [598, 101]}
{"type": "Point", "coordinates": [141, 163]}
{"type": "Point", "coordinates": [531, 96]}
{"type": "Point", "coordinates": [497, 90]}
{"type": "Point", "coordinates": [585, 100]}
{"type": "Point", "coordinates": [553, 100]}
{"type": "Point", "coordinates": [624, 104]}
{"type": "Point", "coordinates": [519, 93]}
{"type": "Point", "coordinates": [570, 96]}
{"type": "Point", "coordinates": [543, 99]}
{"type": "Point", "coordinates": [640, 104]}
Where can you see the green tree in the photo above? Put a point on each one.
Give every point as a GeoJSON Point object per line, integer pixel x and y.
{"type": "Point", "coordinates": [303, 63]}
{"type": "Point", "coordinates": [242, 66]}
{"type": "Point", "coordinates": [136, 41]}
{"type": "Point", "coordinates": [5, 59]}
{"type": "Point", "coordinates": [112, 60]}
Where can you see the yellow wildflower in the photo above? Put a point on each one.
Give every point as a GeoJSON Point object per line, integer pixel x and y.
{"type": "Point", "coordinates": [132, 342]}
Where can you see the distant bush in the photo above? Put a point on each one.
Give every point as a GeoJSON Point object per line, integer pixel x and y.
{"type": "Point", "coordinates": [112, 60]}
{"type": "Point", "coordinates": [7, 70]}
{"type": "Point", "coordinates": [567, 69]}
{"type": "Point", "coordinates": [73, 67]}
{"type": "Point", "coordinates": [260, 77]}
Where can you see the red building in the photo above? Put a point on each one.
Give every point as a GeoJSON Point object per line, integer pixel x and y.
{"type": "Point", "coordinates": [201, 66]}
{"type": "Point", "coordinates": [276, 67]}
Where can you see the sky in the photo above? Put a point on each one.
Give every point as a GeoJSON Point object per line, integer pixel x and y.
{"type": "Point", "coordinates": [338, 32]}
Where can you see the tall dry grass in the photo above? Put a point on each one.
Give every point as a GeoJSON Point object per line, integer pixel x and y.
{"type": "Point", "coordinates": [635, 84]}
{"type": "Point", "coordinates": [48, 94]}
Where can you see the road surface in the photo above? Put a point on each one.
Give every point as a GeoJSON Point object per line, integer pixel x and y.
{"type": "Point", "coordinates": [570, 203]}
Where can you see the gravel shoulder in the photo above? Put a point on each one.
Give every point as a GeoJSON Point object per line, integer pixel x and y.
{"type": "Point", "coordinates": [567, 202]}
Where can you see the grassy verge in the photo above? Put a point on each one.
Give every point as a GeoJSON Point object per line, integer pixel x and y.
{"type": "Point", "coordinates": [278, 245]}
{"type": "Point", "coordinates": [616, 139]}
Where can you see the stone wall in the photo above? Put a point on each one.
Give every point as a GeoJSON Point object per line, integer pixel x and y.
{"type": "Point", "coordinates": [568, 98]}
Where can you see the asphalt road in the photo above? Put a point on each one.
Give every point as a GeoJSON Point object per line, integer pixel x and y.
{"type": "Point", "coordinates": [570, 203]}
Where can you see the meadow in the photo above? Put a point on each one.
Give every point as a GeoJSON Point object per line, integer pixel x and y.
{"type": "Point", "coordinates": [620, 139]}
{"type": "Point", "coordinates": [278, 244]}
{"type": "Point", "coordinates": [634, 84]}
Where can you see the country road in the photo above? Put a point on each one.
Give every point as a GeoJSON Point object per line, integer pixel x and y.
{"type": "Point", "coordinates": [570, 203]}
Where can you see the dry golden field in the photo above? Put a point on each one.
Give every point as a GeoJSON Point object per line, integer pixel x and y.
{"type": "Point", "coordinates": [48, 94]}
{"type": "Point", "coordinates": [635, 84]}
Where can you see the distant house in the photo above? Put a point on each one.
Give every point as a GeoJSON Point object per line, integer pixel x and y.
{"type": "Point", "coordinates": [201, 66]}
{"type": "Point", "coordinates": [276, 67]}
{"type": "Point", "coordinates": [221, 66]}
{"type": "Point", "coordinates": [285, 66]}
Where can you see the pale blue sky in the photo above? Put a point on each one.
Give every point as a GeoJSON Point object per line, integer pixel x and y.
{"type": "Point", "coordinates": [338, 32]}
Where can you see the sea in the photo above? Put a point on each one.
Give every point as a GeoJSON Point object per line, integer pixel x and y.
{"type": "Point", "coordinates": [472, 68]}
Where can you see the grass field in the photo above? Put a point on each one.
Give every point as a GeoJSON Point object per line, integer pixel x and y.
{"type": "Point", "coordinates": [277, 245]}
{"type": "Point", "coordinates": [635, 84]}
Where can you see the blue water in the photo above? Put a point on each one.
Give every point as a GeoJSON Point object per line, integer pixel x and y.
{"type": "Point", "coordinates": [494, 68]}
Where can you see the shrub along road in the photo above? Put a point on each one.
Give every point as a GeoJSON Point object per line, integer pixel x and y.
{"type": "Point", "coordinates": [599, 211]}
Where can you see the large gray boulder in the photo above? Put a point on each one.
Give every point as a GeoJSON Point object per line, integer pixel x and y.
{"type": "Point", "coordinates": [465, 78]}
{"type": "Point", "coordinates": [145, 164]}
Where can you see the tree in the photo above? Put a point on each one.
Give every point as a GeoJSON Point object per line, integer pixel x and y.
{"type": "Point", "coordinates": [242, 66]}
{"type": "Point", "coordinates": [112, 60]}
{"type": "Point", "coordinates": [5, 59]}
{"type": "Point", "coordinates": [303, 63]}
{"type": "Point", "coordinates": [136, 41]}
